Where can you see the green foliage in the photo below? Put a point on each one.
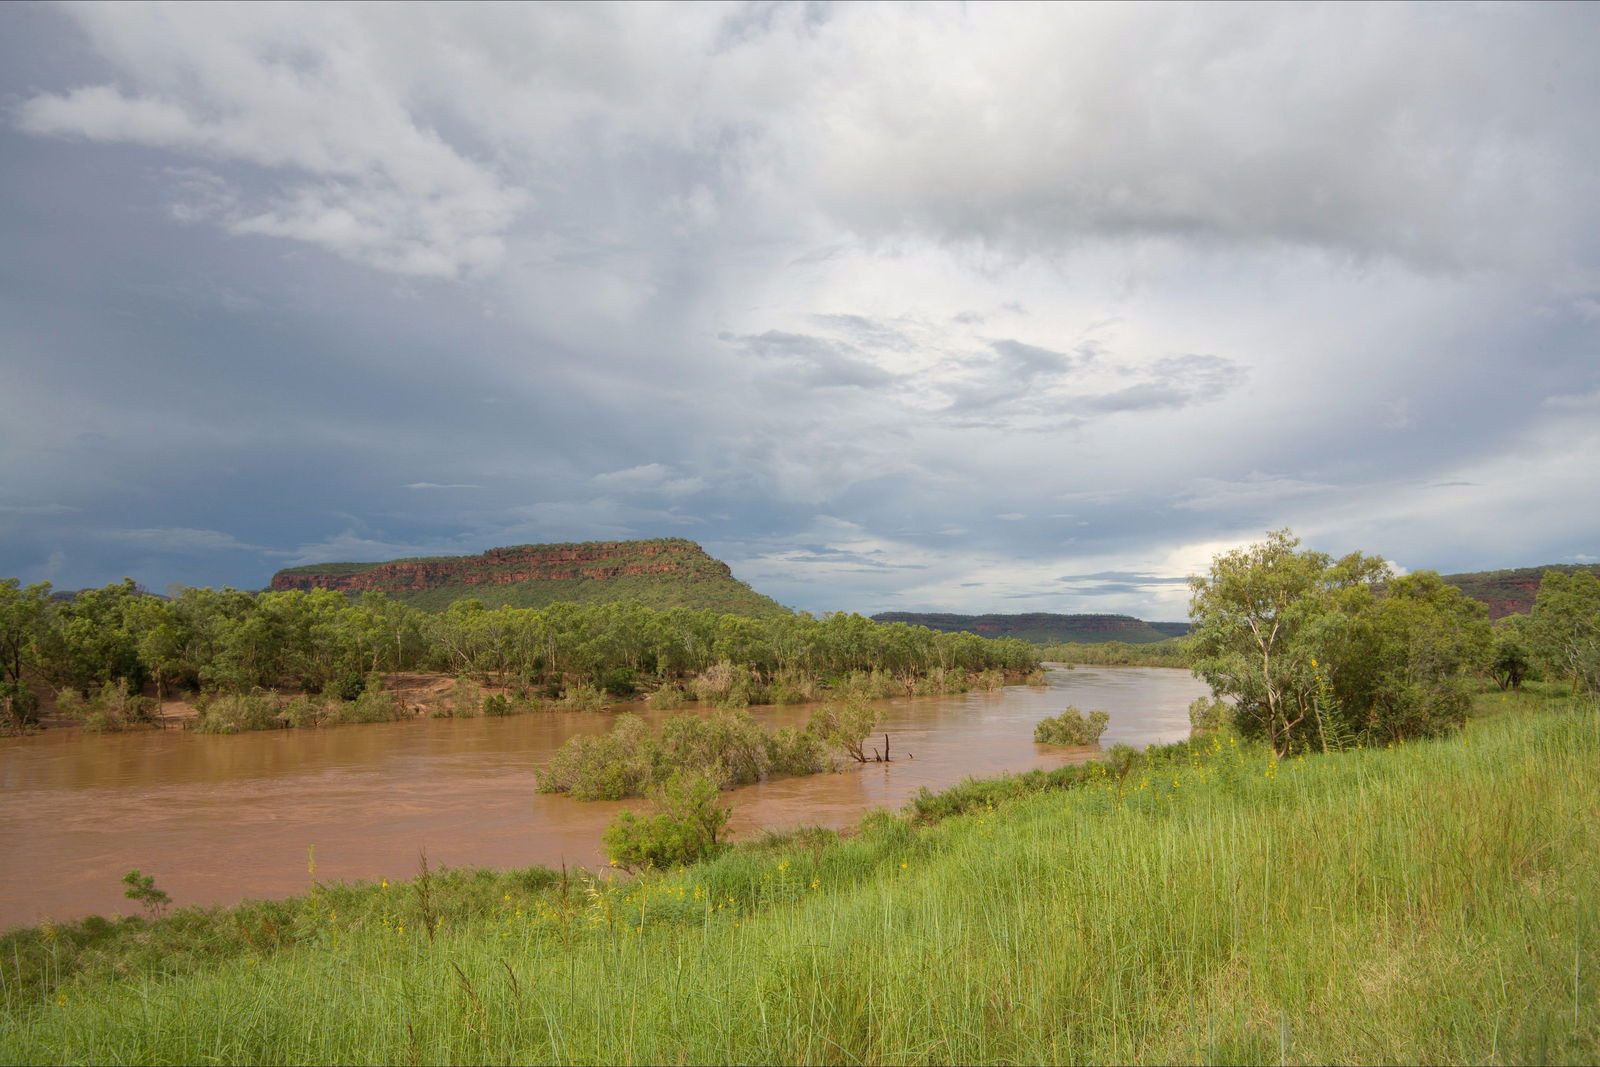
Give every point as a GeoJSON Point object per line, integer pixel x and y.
{"type": "Point", "coordinates": [348, 686]}
{"type": "Point", "coordinates": [142, 887]}
{"type": "Point", "coordinates": [230, 714]}
{"type": "Point", "coordinates": [683, 830]}
{"type": "Point", "coordinates": [1044, 628]}
{"type": "Point", "coordinates": [1564, 627]}
{"type": "Point", "coordinates": [1169, 652]}
{"type": "Point", "coordinates": [844, 726]}
{"type": "Point", "coordinates": [1318, 652]}
{"type": "Point", "coordinates": [1512, 658]}
{"type": "Point", "coordinates": [466, 699]}
{"type": "Point", "coordinates": [237, 643]}
{"type": "Point", "coordinates": [728, 746]}
{"type": "Point", "coordinates": [1209, 715]}
{"type": "Point", "coordinates": [622, 762]}
{"type": "Point", "coordinates": [1071, 727]}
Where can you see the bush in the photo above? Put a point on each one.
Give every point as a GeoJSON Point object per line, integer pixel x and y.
{"type": "Point", "coordinates": [347, 687]}
{"type": "Point", "coordinates": [668, 698]}
{"type": "Point", "coordinates": [844, 726]}
{"type": "Point", "coordinates": [584, 698]}
{"type": "Point", "coordinates": [608, 766]}
{"type": "Point", "coordinates": [792, 750]}
{"type": "Point", "coordinates": [728, 685]}
{"type": "Point", "coordinates": [373, 705]}
{"type": "Point", "coordinates": [1072, 727]}
{"type": "Point", "coordinates": [1207, 715]}
{"type": "Point", "coordinates": [236, 714]}
{"type": "Point", "coordinates": [619, 682]}
{"type": "Point", "coordinates": [682, 831]}
{"type": "Point", "coordinates": [727, 747]}
{"type": "Point", "coordinates": [497, 706]}
{"type": "Point", "coordinates": [466, 699]}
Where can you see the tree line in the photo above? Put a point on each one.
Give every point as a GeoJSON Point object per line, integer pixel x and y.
{"type": "Point", "coordinates": [1321, 653]}
{"type": "Point", "coordinates": [321, 641]}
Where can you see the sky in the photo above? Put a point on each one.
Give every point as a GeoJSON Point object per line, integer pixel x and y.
{"type": "Point", "coordinates": [981, 308]}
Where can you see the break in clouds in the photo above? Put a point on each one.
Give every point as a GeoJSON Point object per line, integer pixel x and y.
{"type": "Point", "coordinates": [892, 307]}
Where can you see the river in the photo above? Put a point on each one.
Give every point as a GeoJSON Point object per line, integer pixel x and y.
{"type": "Point", "coordinates": [216, 819]}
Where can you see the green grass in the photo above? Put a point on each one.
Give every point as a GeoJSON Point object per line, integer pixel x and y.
{"type": "Point", "coordinates": [1436, 902]}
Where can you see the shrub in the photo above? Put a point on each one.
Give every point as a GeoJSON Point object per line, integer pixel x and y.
{"type": "Point", "coordinates": [584, 698]}
{"type": "Point", "coordinates": [989, 680]}
{"type": "Point", "coordinates": [728, 685]}
{"type": "Point", "coordinates": [608, 766]}
{"type": "Point", "coordinates": [619, 682]}
{"type": "Point", "coordinates": [728, 747]}
{"type": "Point", "coordinates": [346, 687]}
{"type": "Point", "coordinates": [792, 750]}
{"type": "Point", "coordinates": [793, 687]}
{"type": "Point", "coordinates": [232, 714]}
{"type": "Point", "coordinates": [466, 699]}
{"type": "Point", "coordinates": [1072, 727]}
{"type": "Point", "coordinates": [1207, 715]}
{"type": "Point", "coordinates": [667, 698]}
{"type": "Point", "coordinates": [683, 830]}
{"type": "Point", "coordinates": [303, 712]}
{"type": "Point", "coordinates": [844, 726]}
{"type": "Point", "coordinates": [497, 706]}
{"type": "Point", "coordinates": [374, 704]}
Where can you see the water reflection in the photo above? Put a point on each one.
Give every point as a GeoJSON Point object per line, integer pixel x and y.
{"type": "Point", "coordinates": [215, 819]}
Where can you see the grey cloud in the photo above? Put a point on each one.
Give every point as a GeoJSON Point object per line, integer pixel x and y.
{"type": "Point", "coordinates": [180, 539]}
{"type": "Point", "coordinates": [869, 333]}
{"type": "Point", "coordinates": [1132, 578]}
{"type": "Point", "coordinates": [816, 362]}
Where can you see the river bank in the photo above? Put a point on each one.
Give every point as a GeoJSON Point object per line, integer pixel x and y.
{"type": "Point", "coordinates": [217, 818]}
{"type": "Point", "coordinates": [1214, 904]}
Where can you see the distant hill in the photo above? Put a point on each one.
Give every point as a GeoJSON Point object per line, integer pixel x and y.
{"type": "Point", "coordinates": [660, 573]}
{"type": "Point", "coordinates": [1509, 592]}
{"type": "Point", "coordinates": [1045, 628]}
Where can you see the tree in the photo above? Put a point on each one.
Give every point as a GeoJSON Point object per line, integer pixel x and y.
{"type": "Point", "coordinates": [1260, 619]}
{"type": "Point", "coordinates": [1565, 626]}
{"type": "Point", "coordinates": [1399, 666]}
{"type": "Point", "coordinates": [1511, 661]}
{"type": "Point", "coordinates": [683, 830]}
{"type": "Point", "coordinates": [22, 616]}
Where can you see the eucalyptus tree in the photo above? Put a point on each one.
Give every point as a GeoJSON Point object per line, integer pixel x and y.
{"type": "Point", "coordinates": [1565, 627]}
{"type": "Point", "coordinates": [1261, 617]}
{"type": "Point", "coordinates": [22, 618]}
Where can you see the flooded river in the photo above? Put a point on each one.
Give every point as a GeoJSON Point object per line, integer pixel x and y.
{"type": "Point", "coordinates": [215, 819]}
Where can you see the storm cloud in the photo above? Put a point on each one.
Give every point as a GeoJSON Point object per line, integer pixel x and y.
{"type": "Point", "coordinates": [890, 306]}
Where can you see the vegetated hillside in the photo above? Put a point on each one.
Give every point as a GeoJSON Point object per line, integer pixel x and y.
{"type": "Point", "coordinates": [1044, 627]}
{"type": "Point", "coordinates": [1509, 592]}
{"type": "Point", "coordinates": [659, 573]}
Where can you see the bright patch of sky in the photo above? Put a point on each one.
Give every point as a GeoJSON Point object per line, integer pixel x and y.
{"type": "Point", "coordinates": [922, 307]}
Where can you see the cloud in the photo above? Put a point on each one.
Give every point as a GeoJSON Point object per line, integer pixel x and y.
{"type": "Point", "coordinates": [36, 509]}
{"type": "Point", "coordinates": [650, 477]}
{"type": "Point", "coordinates": [437, 485]}
{"type": "Point", "coordinates": [815, 362]}
{"type": "Point", "coordinates": [180, 539]}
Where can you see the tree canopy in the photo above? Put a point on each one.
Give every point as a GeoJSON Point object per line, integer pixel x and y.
{"type": "Point", "coordinates": [1317, 651]}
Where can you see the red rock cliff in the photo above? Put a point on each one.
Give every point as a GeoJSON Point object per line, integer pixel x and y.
{"type": "Point", "coordinates": [522, 563]}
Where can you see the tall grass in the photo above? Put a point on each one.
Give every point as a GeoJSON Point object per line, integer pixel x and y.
{"type": "Point", "coordinates": [1437, 902]}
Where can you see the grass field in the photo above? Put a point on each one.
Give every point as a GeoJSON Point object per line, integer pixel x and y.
{"type": "Point", "coordinates": [1437, 902]}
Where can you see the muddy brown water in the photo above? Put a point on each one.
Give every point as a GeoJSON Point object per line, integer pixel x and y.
{"type": "Point", "coordinates": [217, 819]}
